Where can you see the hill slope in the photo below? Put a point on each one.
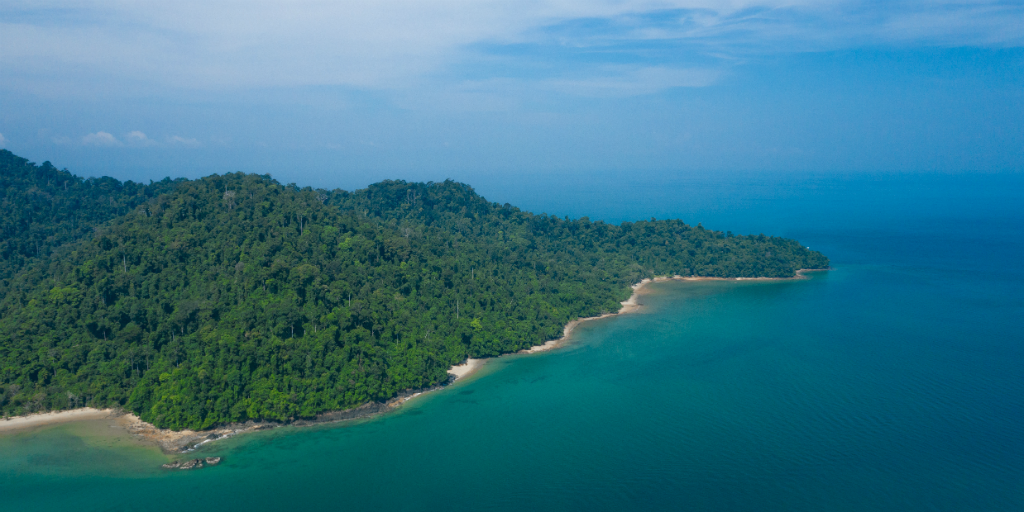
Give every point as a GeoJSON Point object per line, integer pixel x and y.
{"type": "Point", "coordinates": [42, 208]}
{"type": "Point", "coordinates": [234, 297]}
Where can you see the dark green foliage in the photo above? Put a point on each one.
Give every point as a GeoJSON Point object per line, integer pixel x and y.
{"type": "Point", "coordinates": [42, 208]}
{"type": "Point", "coordinates": [234, 297]}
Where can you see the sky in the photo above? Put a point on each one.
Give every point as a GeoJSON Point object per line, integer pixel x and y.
{"type": "Point", "coordinates": [343, 94]}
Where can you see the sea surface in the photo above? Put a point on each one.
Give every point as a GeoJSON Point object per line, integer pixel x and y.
{"type": "Point", "coordinates": [894, 382]}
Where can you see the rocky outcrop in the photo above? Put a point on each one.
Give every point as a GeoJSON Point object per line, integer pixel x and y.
{"type": "Point", "coordinates": [193, 463]}
{"type": "Point", "coordinates": [184, 441]}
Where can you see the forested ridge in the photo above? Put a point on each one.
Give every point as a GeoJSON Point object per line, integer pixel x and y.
{"type": "Point", "coordinates": [201, 302]}
{"type": "Point", "coordinates": [42, 208]}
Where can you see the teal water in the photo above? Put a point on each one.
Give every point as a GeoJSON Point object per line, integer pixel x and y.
{"type": "Point", "coordinates": [894, 382]}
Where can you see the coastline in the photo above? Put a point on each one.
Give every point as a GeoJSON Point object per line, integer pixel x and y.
{"type": "Point", "coordinates": [184, 441]}
{"type": "Point", "coordinates": [799, 275]}
{"type": "Point", "coordinates": [630, 305]}
{"type": "Point", "coordinates": [465, 369]}
{"type": "Point", "coordinates": [53, 417]}
{"type": "Point", "coordinates": [172, 442]}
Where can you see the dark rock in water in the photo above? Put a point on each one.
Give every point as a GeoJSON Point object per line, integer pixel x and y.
{"type": "Point", "coordinates": [192, 464]}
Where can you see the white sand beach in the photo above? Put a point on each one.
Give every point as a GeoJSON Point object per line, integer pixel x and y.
{"type": "Point", "coordinates": [50, 418]}
{"type": "Point", "coordinates": [471, 365]}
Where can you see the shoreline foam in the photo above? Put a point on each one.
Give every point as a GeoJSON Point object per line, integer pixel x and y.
{"type": "Point", "coordinates": [171, 441]}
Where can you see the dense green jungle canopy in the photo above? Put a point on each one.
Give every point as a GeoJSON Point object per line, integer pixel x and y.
{"type": "Point", "coordinates": [44, 208]}
{"type": "Point", "coordinates": [228, 298]}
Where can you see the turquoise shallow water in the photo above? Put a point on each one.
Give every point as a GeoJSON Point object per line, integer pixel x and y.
{"type": "Point", "coordinates": [894, 382]}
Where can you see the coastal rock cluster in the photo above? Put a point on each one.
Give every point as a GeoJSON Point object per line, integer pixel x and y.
{"type": "Point", "coordinates": [192, 464]}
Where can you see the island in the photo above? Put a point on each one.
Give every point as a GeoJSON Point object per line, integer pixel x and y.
{"type": "Point", "coordinates": [237, 300]}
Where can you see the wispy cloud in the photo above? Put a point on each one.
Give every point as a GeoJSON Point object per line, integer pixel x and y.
{"type": "Point", "coordinates": [388, 44]}
{"type": "Point", "coordinates": [137, 138]}
{"type": "Point", "coordinates": [103, 139]}
{"type": "Point", "coordinates": [629, 81]}
{"type": "Point", "coordinates": [3, 141]}
{"type": "Point", "coordinates": [134, 139]}
{"type": "Point", "coordinates": [176, 140]}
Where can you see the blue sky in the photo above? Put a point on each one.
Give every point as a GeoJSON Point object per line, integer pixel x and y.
{"type": "Point", "coordinates": [347, 93]}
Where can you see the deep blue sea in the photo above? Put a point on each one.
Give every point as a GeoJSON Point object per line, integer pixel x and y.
{"type": "Point", "coordinates": [894, 382]}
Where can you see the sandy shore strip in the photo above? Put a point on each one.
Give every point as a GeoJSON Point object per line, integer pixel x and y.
{"type": "Point", "coordinates": [632, 305]}
{"type": "Point", "coordinates": [171, 441]}
{"type": "Point", "coordinates": [629, 305]}
{"type": "Point", "coordinates": [800, 274]}
{"type": "Point", "coordinates": [168, 440]}
{"type": "Point", "coordinates": [51, 418]}
{"type": "Point", "coordinates": [471, 365]}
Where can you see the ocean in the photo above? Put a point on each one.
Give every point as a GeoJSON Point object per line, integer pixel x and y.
{"type": "Point", "coordinates": [894, 382]}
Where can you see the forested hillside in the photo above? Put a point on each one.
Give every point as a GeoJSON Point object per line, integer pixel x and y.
{"type": "Point", "coordinates": [234, 297]}
{"type": "Point", "coordinates": [42, 208]}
